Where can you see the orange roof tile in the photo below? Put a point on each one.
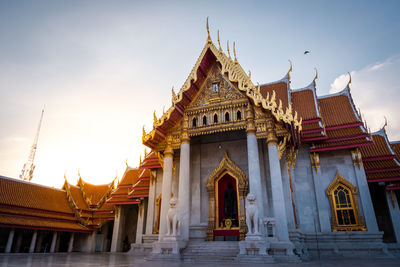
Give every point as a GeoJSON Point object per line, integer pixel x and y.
{"type": "Point", "coordinates": [281, 90]}
{"type": "Point", "coordinates": [378, 149]}
{"type": "Point", "coordinates": [23, 194]}
{"type": "Point", "coordinates": [304, 103]}
{"type": "Point", "coordinates": [337, 110]}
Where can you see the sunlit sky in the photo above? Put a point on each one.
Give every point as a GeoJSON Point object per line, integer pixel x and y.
{"type": "Point", "coordinates": [101, 68]}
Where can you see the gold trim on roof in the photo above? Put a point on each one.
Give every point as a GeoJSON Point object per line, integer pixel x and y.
{"type": "Point", "coordinates": [236, 74]}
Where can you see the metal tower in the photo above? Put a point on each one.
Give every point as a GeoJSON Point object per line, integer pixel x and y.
{"type": "Point", "coordinates": [29, 167]}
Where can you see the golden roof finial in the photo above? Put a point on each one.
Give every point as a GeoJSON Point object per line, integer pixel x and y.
{"type": "Point", "coordinates": [144, 131]}
{"type": "Point", "coordinates": [249, 74]}
{"type": "Point", "coordinates": [219, 43]}
{"type": "Point", "coordinates": [227, 45]}
{"type": "Point", "coordinates": [290, 68]}
{"type": "Point", "coordinates": [65, 175]}
{"type": "Point", "coordinates": [140, 160]}
{"type": "Point", "coordinates": [349, 79]}
{"type": "Point", "coordinates": [126, 162]}
{"type": "Point", "coordinates": [208, 33]}
{"type": "Point", "coordinates": [145, 152]}
{"type": "Point", "coordinates": [79, 173]}
{"type": "Point", "coordinates": [173, 94]}
{"type": "Point", "coordinates": [384, 125]}
{"type": "Point", "coordinates": [234, 52]}
{"type": "Point", "coordinates": [316, 74]}
{"type": "Point", "coordinates": [154, 117]}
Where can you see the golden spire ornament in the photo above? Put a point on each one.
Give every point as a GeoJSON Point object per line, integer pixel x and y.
{"type": "Point", "coordinates": [219, 43]}
{"type": "Point", "coordinates": [208, 33]}
{"type": "Point", "coordinates": [234, 52]}
{"type": "Point", "coordinates": [227, 45]}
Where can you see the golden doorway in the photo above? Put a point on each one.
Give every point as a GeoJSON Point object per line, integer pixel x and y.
{"type": "Point", "coordinates": [227, 188]}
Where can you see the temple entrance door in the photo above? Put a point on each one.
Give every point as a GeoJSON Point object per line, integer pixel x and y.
{"type": "Point", "coordinates": [227, 188]}
{"type": "Point", "coordinates": [227, 209]}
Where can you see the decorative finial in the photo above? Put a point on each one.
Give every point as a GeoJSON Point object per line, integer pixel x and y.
{"type": "Point", "coordinates": [249, 74]}
{"type": "Point", "coordinates": [227, 45]}
{"type": "Point", "coordinates": [219, 43]}
{"type": "Point", "coordinates": [154, 117]}
{"type": "Point", "coordinates": [316, 74]}
{"type": "Point", "coordinates": [65, 175]}
{"type": "Point", "coordinates": [126, 162]}
{"type": "Point", "coordinates": [173, 93]}
{"type": "Point", "coordinates": [234, 52]}
{"type": "Point", "coordinates": [145, 152]}
{"type": "Point", "coordinates": [144, 131]}
{"type": "Point", "coordinates": [208, 33]}
{"type": "Point", "coordinates": [290, 68]}
{"type": "Point", "coordinates": [349, 79]}
{"type": "Point", "coordinates": [384, 125]}
{"type": "Point", "coordinates": [140, 160]}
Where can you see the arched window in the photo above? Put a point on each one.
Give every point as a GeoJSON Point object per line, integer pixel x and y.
{"type": "Point", "coordinates": [204, 120]}
{"type": "Point", "coordinates": [215, 118]}
{"type": "Point", "coordinates": [194, 123]}
{"type": "Point", "coordinates": [343, 199]}
{"type": "Point", "coordinates": [227, 116]}
{"type": "Point", "coordinates": [238, 115]}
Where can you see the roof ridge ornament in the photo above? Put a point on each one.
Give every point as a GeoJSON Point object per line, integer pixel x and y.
{"type": "Point", "coordinates": [384, 125]}
{"type": "Point", "coordinates": [227, 48]}
{"type": "Point", "coordinates": [234, 53]}
{"type": "Point", "coordinates": [219, 43]}
{"type": "Point", "coordinates": [208, 33]}
{"type": "Point", "coordinates": [316, 77]}
{"type": "Point", "coordinates": [349, 80]}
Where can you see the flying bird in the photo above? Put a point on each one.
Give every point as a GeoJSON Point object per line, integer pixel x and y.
{"type": "Point", "coordinates": [306, 52]}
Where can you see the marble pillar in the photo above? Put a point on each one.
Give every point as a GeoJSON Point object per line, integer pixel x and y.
{"type": "Point", "coordinates": [18, 243]}
{"type": "Point", "coordinates": [287, 193]}
{"type": "Point", "coordinates": [91, 245]}
{"type": "Point", "coordinates": [365, 198]}
{"type": "Point", "coordinates": [166, 187]}
{"type": "Point", "coordinates": [33, 242]}
{"type": "Point", "coordinates": [151, 203]}
{"type": "Point", "coordinates": [323, 208]}
{"type": "Point", "coordinates": [255, 185]}
{"type": "Point", "coordinates": [139, 224]}
{"type": "Point", "coordinates": [116, 243]}
{"type": "Point", "coordinates": [278, 199]}
{"type": "Point", "coordinates": [71, 242]}
{"type": "Point", "coordinates": [394, 211]}
{"type": "Point", "coordinates": [53, 242]}
{"type": "Point", "coordinates": [10, 241]}
{"type": "Point", "coordinates": [184, 183]}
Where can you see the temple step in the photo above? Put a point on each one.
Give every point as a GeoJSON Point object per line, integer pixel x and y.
{"type": "Point", "coordinates": [211, 251]}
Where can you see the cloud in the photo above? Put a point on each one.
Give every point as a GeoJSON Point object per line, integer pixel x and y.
{"type": "Point", "coordinates": [376, 91]}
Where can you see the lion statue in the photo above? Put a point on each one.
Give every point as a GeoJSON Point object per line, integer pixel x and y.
{"type": "Point", "coordinates": [172, 217]}
{"type": "Point", "coordinates": [252, 219]}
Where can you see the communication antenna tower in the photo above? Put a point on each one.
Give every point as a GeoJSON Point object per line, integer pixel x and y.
{"type": "Point", "coordinates": [29, 167]}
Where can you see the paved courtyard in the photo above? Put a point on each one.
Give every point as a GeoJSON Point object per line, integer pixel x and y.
{"type": "Point", "coordinates": [119, 259]}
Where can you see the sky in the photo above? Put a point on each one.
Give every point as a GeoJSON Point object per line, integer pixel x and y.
{"type": "Point", "coordinates": [100, 69]}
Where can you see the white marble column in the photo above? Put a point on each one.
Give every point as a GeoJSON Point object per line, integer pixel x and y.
{"type": "Point", "coordinates": [394, 213]}
{"type": "Point", "coordinates": [151, 203]}
{"type": "Point", "coordinates": [117, 230]}
{"type": "Point", "coordinates": [10, 241]}
{"type": "Point", "coordinates": [184, 183]}
{"type": "Point", "coordinates": [323, 209]}
{"type": "Point", "coordinates": [53, 242]}
{"type": "Point", "coordinates": [71, 242]}
{"type": "Point", "coordinates": [287, 193]}
{"type": "Point", "coordinates": [33, 242]}
{"type": "Point", "coordinates": [255, 185]}
{"type": "Point", "coordinates": [365, 197]}
{"type": "Point", "coordinates": [278, 200]}
{"type": "Point", "coordinates": [166, 187]}
{"type": "Point", "coordinates": [139, 224]}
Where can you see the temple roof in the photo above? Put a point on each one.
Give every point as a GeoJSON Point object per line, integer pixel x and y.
{"type": "Point", "coordinates": [235, 74]}
{"type": "Point", "coordinates": [380, 160]}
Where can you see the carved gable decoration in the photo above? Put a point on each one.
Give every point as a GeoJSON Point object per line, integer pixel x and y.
{"type": "Point", "coordinates": [216, 89]}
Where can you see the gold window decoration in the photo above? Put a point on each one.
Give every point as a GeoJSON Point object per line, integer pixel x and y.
{"type": "Point", "coordinates": [344, 207]}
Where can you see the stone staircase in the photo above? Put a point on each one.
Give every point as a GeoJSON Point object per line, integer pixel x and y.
{"type": "Point", "coordinates": [211, 252]}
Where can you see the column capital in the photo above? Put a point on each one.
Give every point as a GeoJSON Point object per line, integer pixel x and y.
{"type": "Point", "coordinates": [250, 126]}
{"type": "Point", "coordinates": [185, 134]}
{"type": "Point", "coordinates": [271, 134]}
{"type": "Point", "coordinates": [169, 152]}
